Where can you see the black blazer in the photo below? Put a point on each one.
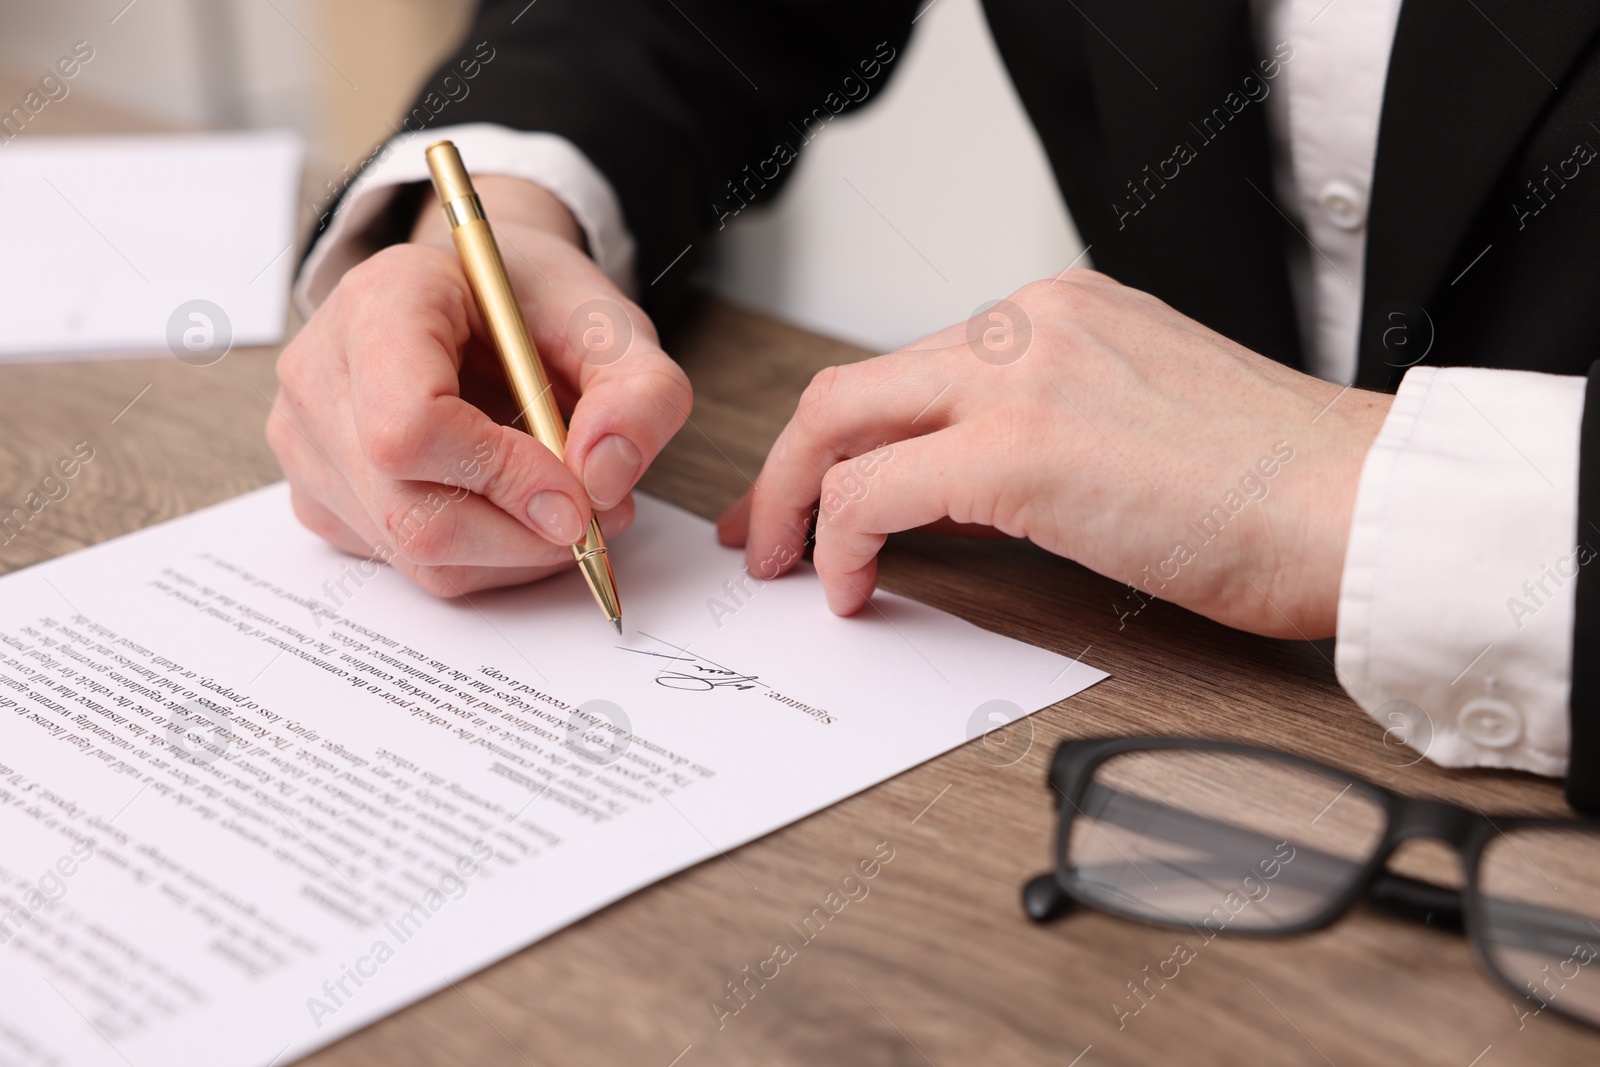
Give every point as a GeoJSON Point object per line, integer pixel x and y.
{"type": "Point", "coordinates": [1483, 225]}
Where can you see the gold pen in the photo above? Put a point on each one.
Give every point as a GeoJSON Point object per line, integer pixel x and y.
{"type": "Point", "coordinates": [486, 273]}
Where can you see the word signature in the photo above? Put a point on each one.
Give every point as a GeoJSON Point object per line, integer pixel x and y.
{"type": "Point", "coordinates": [692, 674]}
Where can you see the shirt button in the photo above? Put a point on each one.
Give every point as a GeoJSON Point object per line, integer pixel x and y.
{"type": "Point", "coordinates": [1490, 722]}
{"type": "Point", "coordinates": [1344, 205]}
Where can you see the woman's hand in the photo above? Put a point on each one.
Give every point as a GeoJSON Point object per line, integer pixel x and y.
{"type": "Point", "coordinates": [1099, 423]}
{"type": "Point", "coordinates": [391, 422]}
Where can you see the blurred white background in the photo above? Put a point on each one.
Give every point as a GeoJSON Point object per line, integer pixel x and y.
{"type": "Point", "coordinates": [898, 221]}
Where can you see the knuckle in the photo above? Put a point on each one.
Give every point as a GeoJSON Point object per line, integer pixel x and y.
{"type": "Point", "coordinates": [663, 391]}
{"type": "Point", "coordinates": [832, 498]}
{"type": "Point", "coordinates": [377, 273]}
{"type": "Point", "coordinates": [420, 531]}
{"type": "Point", "coordinates": [820, 394]}
{"type": "Point", "coordinates": [1064, 294]}
{"type": "Point", "coordinates": [1069, 305]}
{"type": "Point", "coordinates": [514, 471]}
{"type": "Point", "coordinates": [841, 486]}
{"type": "Point", "coordinates": [1037, 291]}
{"type": "Point", "coordinates": [294, 372]}
{"type": "Point", "coordinates": [402, 288]}
{"type": "Point", "coordinates": [436, 580]}
{"type": "Point", "coordinates": [366, 292]}
{"type": "Point", "coordinates": [365, 278]}
{"type": "Point", "coordinates": [642, 325]}
{"type": "Point", "coordinates": [836, 480]}
{"type": "Point", "coordinates": [394, 442]}
{"type": "Point", "coordinates": [280, 437]}
{"type": "Point", "coordinates": [312, 516]}
{"type": "Point", "coordinates": [674, 386]}
{"type": "Point", "coordinates": [1066, 298]}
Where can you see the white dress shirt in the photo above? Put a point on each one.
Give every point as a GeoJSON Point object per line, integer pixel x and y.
{"type": "Point", "coordinates": [1456, 605]}
{"type": "Point", "coordinates": [554, 162]}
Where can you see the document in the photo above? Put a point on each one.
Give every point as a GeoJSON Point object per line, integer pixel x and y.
{"type": "Point", "coordinates": [255, 794]}
{"type": "Point", "coordinates": [112, 245]}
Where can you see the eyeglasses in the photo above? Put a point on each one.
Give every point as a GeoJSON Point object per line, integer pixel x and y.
{"type": "Point", "coordinates": [1217, 837]}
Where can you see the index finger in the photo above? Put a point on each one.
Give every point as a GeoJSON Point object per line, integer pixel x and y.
{"type": "Point", "coordinates": [632, 396]}
{"type": "Point", "coordinates": [404, 337]}
{"type": "Point", "coordinates": [846, 412]}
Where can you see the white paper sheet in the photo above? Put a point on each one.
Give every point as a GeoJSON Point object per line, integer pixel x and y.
{"type": "Point", "coordinates": [104, 238]}
{"type": "Point", "coordinates": [347, 741]}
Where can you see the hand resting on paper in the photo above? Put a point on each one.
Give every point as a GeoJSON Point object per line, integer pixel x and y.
{"type": "Point", "coordinates": [390, 422]}
{"type": "Point", "coordinates": [1105, 427]}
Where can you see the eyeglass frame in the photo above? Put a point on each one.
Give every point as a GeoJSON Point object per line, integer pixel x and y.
{"type": "Point", "coordinates": [1468, 831]}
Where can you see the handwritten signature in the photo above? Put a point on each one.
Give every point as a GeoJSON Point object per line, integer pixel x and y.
{"type": "Point", "coordinates": [694, 674]}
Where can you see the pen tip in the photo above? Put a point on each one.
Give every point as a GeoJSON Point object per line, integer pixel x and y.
{"type": "Point", "coordinates": [617, 622]}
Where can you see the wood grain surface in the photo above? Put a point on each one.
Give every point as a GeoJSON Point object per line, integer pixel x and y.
{"type": "Point", "coordinates": [937, 964]}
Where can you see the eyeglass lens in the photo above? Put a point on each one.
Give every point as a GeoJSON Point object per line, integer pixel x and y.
{"type": "Point", "coordinates": [1219, 841]}
{"type": "Point", "coordinates": [1539, 915]}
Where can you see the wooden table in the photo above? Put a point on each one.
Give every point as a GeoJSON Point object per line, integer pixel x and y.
{"type": "Point", "coordinates": [937, 965]}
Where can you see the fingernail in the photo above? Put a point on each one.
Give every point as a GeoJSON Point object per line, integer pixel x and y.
{"type": "Point", "coordinates": [610, 470]}
{"type": "Point", "coordinates": [556, 517]}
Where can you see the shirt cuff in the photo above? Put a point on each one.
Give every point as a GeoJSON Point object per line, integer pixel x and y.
{"type": "Point", "coordinates": [1456, 605]}
{"type": "Point", "coordinates": [552, 161]}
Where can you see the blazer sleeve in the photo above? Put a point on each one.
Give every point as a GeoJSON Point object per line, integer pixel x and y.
{"type": "Point", "coordinates": [691, 108]}
{"type": "Point", "coordinates": [1583, 772]}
